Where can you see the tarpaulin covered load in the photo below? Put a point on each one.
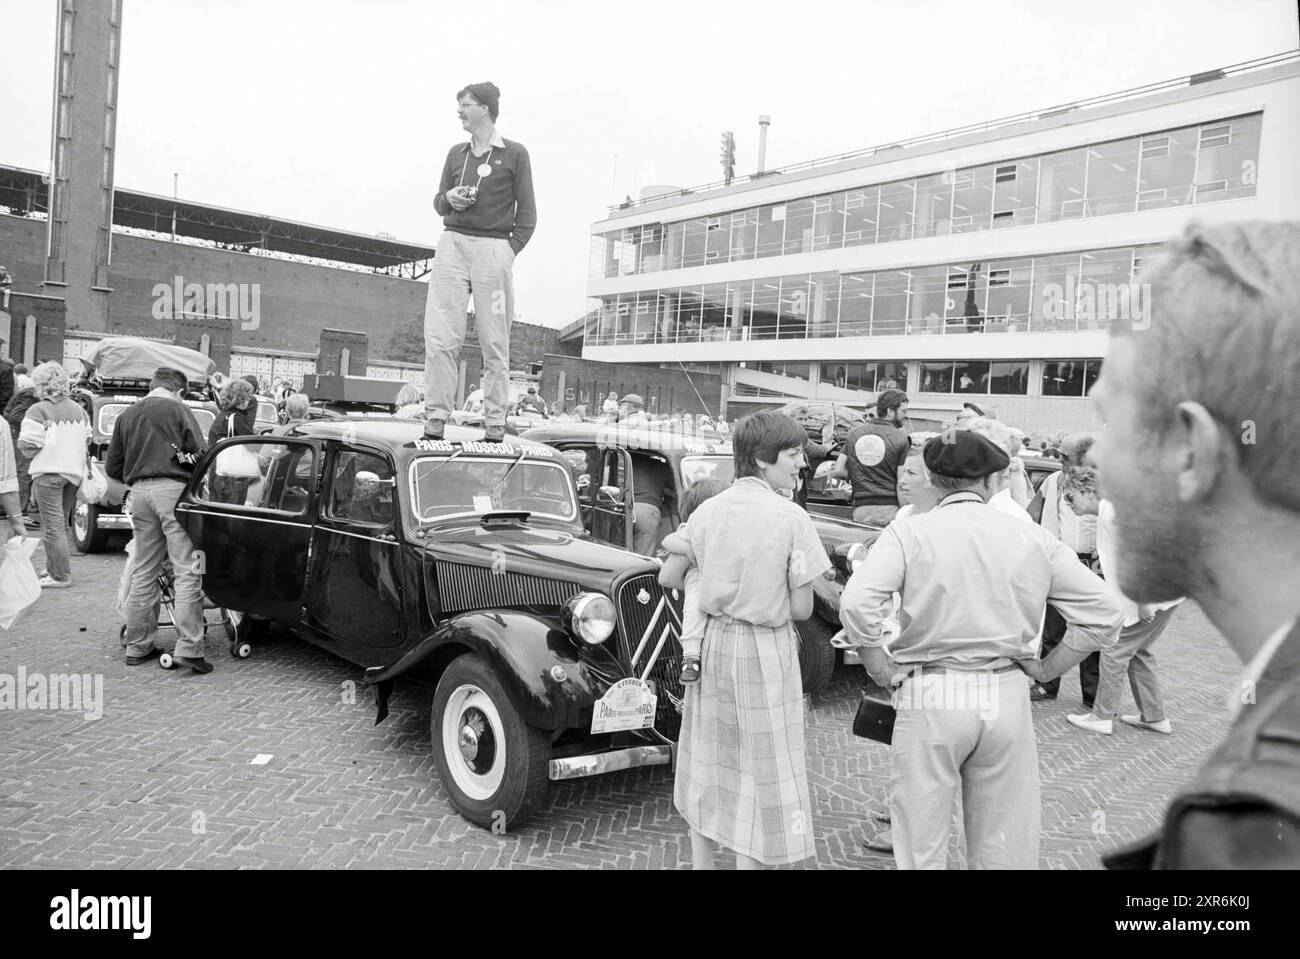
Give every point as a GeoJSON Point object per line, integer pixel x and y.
{"type": "Point", "coordinates": [132, 358]}
{"type": "Point", "coordinates": [813, 416]}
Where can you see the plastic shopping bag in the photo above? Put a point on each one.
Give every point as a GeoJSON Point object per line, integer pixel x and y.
{"type": "Point", "coordinates": [19, 587]}
{"type": "Point", "coordinates": [124, 584]}
{"type": "Point", "coordinates": [95, 485]}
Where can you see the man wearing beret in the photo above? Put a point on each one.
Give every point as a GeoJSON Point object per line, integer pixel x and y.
{"type": "Point", "coordinates": [486, 200]}
{"type": "Point", "coordinates": [972, 583]}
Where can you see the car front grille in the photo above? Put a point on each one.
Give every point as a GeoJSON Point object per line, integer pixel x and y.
{"type": "Point", "coordinates": [640, 627]}
{"type": "Point", "coordinates": [462, 587]}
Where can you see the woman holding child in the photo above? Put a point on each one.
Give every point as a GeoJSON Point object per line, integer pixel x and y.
{"type": "Point", "coordinates": [741, 778]}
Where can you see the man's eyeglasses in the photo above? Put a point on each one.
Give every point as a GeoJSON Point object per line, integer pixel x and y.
{"type": "Point", "coordinates": [466, 104]}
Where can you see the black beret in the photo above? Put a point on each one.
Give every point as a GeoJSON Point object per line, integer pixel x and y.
{"type": "Point", "coordinates": [964, 454]}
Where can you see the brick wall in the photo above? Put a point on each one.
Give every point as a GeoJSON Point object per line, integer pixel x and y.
{"type": "Point", "coordinates": [662, 389]}
{"type": "Point", "coordinates": [22, 251]}
{"type": "Point", "coordinates": [190, 331]}
{"type": "Point", "coordinates": [48, 316]}
{"type": "Point", "coordinates": [295, 300]}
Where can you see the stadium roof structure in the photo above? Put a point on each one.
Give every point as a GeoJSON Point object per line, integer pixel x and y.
{"type": "Point", "coordinates": [27, 191]}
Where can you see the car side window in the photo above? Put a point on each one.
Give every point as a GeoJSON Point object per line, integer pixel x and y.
{"type": "Point", "coordinates": [272, 476]}
{"type": "Point", "coordinates": [362, 488]}
{"type": "Point", "coordinates": [584, 461]}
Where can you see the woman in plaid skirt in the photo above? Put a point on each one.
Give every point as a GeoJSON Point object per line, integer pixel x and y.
{"type": "Point", "coordinates": [741, 780]}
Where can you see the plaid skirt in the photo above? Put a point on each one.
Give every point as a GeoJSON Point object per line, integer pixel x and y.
{"type": "Point", "coordinates": [741, 778]}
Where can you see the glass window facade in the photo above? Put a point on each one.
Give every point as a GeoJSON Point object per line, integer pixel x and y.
{"type": "Point", "coordinates": [976, 377]}
{"type": "Point", "coordinates": [1196, 164]}
{"type": "Point", "coordinates": [1088, 290]}
{"type": "Point", "coordinates": [869, 377]}
{"type": "Point", "coordinates": [1070, 377]}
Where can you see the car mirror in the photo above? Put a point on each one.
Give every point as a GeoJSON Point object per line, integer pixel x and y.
{"type": "Point", "coordinates": [365, 476]}
{"type": "Point", "coordinates": [612, 493]}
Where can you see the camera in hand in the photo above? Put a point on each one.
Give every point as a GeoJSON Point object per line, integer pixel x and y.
{"type": "Point", "coordinates": [471, 193]}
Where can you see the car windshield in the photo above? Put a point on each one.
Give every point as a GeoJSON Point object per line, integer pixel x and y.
{"type": "Point", "coordinates": [453, 486]}
{"type": "Point", "coordinates": [108, 414]}
{"type": "Point", "coordinates": [696, 468]}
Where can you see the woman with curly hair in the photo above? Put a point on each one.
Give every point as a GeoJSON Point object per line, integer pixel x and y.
{"type": "Point", "coordinates": [54, 433]}
{"type": "Point", "coordinates": [238, 413]}
{"type": "Point", "coordinates": [410, 401]}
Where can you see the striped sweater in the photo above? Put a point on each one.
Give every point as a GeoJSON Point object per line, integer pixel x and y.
{"type": "Point", "coordinates": [55, 434]}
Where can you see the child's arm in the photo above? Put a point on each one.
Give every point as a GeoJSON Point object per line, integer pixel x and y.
{"type": "Point", "coordinates": [680, 557]}
{"type": "Point", "coordinates": [673, 573]}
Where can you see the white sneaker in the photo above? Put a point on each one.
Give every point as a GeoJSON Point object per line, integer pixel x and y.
{"type": "Point", "coordinates": [1160, 727]}
{"type": "Point", "coordinates": [1091, 723]}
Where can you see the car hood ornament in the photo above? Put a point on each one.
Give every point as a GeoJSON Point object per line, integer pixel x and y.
{"type": "Point", "coordinates": [643, 596]}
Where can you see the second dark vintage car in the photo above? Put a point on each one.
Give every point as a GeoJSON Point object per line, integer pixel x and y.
{"type": "Point", "coordinates": [466, 563]}
{"type": "Point", "coordinates": [605, 458]}
{"type": "Point", "coordinates": [117, 373]}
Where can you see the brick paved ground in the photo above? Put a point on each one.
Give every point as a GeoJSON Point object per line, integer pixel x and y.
{"type": "Point", "coordinates": [165, 778]}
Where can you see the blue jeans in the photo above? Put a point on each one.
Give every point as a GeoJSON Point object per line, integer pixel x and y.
{"type": "Point", "coordinates": [55, 497]}
{"type": "Point", "coordinates": [158, 536]}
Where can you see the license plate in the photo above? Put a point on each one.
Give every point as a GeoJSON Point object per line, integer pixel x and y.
{"type": "Point", "coordinates": [628, 704]}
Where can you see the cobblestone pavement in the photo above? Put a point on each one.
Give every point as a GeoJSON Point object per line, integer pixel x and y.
{"type": "Point", "coordinates": [166, 777]}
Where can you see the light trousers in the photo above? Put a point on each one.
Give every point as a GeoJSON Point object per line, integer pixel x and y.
{"type": "Point", "coordinates": [55, 498]}
{"type": "Point", "coordinates": [989, 754]}
{"type": "Point", "coordinates": [158, 536]}
{"type": "Point", "coordinates": [465, 265]}
{"type": "Point", "coordinates": [1131, 656]}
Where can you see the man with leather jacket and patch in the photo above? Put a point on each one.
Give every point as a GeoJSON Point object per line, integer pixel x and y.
{"type": "Point", "coordinates": [1199, 457]}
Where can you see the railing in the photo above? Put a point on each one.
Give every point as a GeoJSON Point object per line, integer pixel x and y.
{"type": "Point", "coordinates": [1261, 63]}
{"type": "Point", "coordinates": [929, 326]}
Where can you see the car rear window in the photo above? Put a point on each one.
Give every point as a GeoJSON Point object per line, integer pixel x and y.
{"type": "Point", "coordinates": [696, 468]}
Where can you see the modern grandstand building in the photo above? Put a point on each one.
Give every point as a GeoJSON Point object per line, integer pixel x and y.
{"type": "Point", "coordinates": [984, 262]}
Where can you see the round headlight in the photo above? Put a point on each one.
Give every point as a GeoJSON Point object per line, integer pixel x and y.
{"type": "Point", "coordinates": [591, 618]}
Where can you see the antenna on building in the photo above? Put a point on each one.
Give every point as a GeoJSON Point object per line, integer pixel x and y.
{"type": "Point", "coordinates": [764, 121]}
{"type": "Point", "coordinates": [728, 157]}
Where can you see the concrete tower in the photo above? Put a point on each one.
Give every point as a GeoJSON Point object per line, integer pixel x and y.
{"type": "Point", "coordinates": [80, 231]}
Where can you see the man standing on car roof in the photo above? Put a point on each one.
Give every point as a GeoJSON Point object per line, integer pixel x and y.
{"type": "Point", "coordinates": [486, 200]}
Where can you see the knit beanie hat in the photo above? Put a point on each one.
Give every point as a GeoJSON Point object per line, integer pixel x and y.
{"type": "Point", "coordinates": [486, 94]}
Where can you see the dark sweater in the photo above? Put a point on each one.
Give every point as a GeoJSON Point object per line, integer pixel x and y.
{"type": "Point", "coordinates": [17, 408]}
{"type": "Point", "coordinates": [505, 208]}
{"type": "Point", "coordinates": [6, 382]}
{"type": "Point", "coordinates": [146, 438]}
{"type": "Point", "coordinates": [885, 447]}
{"type": "Point", "coordinates": [244, 422]}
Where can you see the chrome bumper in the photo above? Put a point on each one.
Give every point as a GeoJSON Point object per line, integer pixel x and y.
{"type": "Point", "coordinates": [113, 521]}
{"type": "Point", "coordinates": [576, 767]}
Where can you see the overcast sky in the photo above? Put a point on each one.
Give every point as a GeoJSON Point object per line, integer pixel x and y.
{"type": "Point", "coordinates": [340, 112]}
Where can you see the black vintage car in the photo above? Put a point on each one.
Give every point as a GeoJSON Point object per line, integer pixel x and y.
{"type": "Point", "coordinates": [553, 656]}
{"type": "Point", "coordinates": [605, 457]}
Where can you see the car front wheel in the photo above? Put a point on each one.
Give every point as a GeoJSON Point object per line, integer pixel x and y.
{"type": "Point", "coordinates": [86, 534]}
{"type": "Point", "coordinates": [493, 764]}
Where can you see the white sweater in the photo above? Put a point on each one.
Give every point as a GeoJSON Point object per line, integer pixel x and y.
{"type": "Point", "coordinates": [57, 434]}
